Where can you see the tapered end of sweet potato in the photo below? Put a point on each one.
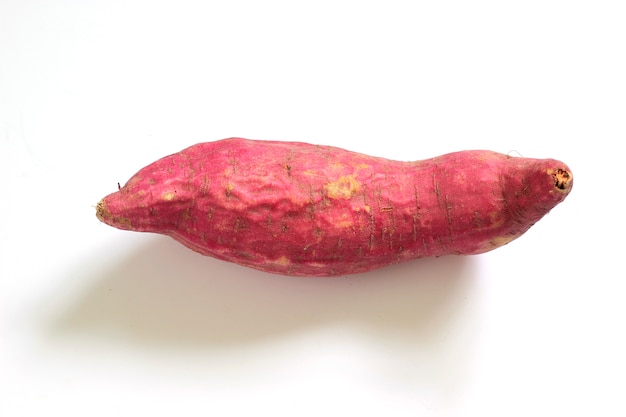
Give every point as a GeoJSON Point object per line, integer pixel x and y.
{"type": "Point", "coordinates": [531, 189]}
{"type": "Point", "coordinates": [551, 182]}
{"type": "Point", "coordinates": [112, 219]}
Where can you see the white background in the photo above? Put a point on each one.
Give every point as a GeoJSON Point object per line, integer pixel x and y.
{"type": "Point", "coordinates": [100, 322]}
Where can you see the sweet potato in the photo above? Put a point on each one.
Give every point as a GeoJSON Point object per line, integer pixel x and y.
{"type": "Point", "coordinates": [300, 209]}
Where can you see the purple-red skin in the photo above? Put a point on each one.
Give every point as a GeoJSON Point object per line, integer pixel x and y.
{"type": "Point", "coordinates": [299, 209]}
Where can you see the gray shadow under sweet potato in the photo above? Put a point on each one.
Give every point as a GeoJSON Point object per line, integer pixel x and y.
{"type": "Point", "coordinates": [163, 294]}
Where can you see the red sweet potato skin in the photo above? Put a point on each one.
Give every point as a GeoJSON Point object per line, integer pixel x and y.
{"type": "Point", "coordinates": [300, 209]}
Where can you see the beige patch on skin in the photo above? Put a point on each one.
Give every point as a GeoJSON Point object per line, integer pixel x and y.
{"type": "Point", "coordinates": [168, 196]}
{"type": "Point", "coordinates": [282, 261]}
{"type": "Point", "coordinates": [120, 222]}
{"type": "Point", "coordinates": [496, 220]}
{"type": "Point", "coordinates": [344, 221]}
{"type": "Point", "coordinates": [502, 240]}
{"type": "Point", "coordinates": [229, 188]}
{"type": "Point", "coordinates": [344, 187]}
{"type": "Point", "coordinates": [499, 241]}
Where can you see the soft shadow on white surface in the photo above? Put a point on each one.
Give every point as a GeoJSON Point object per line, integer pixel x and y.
{"type": "Point", "coordinates": [165, 295]}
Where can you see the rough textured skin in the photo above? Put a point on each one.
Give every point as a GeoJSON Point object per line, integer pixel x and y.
{"type": "Point", "coordinates": [299, 209]}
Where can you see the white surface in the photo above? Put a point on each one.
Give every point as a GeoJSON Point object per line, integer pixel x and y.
{"type": "Point", "coordinates": [96, 321]}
